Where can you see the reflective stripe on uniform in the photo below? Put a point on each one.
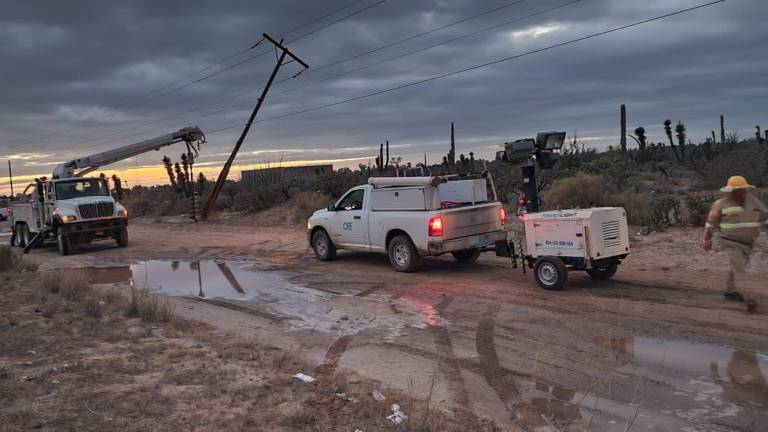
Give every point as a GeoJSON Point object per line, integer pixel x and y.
{"type": "Point", "coordinates": [740, 225]}
{"type": "Point", "coordinates": [731, 210]}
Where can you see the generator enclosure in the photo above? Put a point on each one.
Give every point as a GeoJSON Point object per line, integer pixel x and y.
{"type": "Point", "coordinates": [578, 236]}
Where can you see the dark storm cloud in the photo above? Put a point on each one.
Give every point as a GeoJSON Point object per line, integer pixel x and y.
{"type": "Point", "coordinates": [63, 62]}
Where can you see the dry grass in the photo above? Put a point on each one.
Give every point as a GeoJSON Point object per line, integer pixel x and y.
{"type": "Point", "coordinates": [7, 258]}
{"type": "Point", "coordinates": [93, 305]}
{"type": "Point", "coordinates": [149, 307]}
{"type": "Point", "coordinates": [72, 285]}
{"type": "Point", "coordinates": [13, 261]}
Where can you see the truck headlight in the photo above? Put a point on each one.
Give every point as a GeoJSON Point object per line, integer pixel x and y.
{"type": "Point", "coordinates": [309, 225]}
{"type": "Point", "coordinates": [122, 213]}
{"type": "Point", "coordinates": [68, 218]}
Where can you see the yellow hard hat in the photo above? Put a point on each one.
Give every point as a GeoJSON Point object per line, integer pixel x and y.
{"type": "Point", "coordinates": [736, 182]}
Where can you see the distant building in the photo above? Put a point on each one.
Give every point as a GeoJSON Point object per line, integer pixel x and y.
{"type": "Point", "coordinates": [301, 173]}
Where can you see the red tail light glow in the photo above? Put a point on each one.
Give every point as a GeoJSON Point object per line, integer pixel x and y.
{"type": "Point", "coordinates": [503, 215]}
{"type": "Point", "coordinates": [436, 226]}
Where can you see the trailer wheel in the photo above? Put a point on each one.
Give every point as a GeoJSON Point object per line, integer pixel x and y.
{"type": "Point", "coordinates": [550, 273]}
{"type": "Point", "coordinates": [323, 246]}
{"type": "Point", "coordinates": [63, 242]}
{"type": "Point", "coordinates": [122, 237]}
{"type": "Point", "coordinates": [467, 256]}
{"type": "Point", "coordinates": [403, 255]}
{"type": "Point", "coordinates": [603, 272]}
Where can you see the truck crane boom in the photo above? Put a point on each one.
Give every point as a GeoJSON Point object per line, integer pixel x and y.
{"type": "Point", "coordinates": [88, 164]}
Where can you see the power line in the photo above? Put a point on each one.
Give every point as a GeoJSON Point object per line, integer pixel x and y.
{"type": "Point", "coordinates": [370, 51]}
{"type": "Point", "coordinates": [140, 100]}
{"type": "Point", "coordinates": [480, 66]}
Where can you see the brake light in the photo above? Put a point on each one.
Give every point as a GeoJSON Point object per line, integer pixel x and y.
{"type": "Point", "coordinates": [436, 226]}
{"type": "Point", "coordinates": [503, 215]}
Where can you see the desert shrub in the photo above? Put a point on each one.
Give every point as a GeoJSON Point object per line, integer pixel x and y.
{"type": "Point", "coordinates": [72, 285]}
{"type": "Point", "coordinates": [663, 208]}
{"type": "Point", "coordinates": [335, 183]}
{"type": "Point", "coordinates": [307, 202]}
{"type": "Point", "coordinates": [637, 205]}
{"type": "Point", "coordinates": [149, 307]}
{"type": "Point", "coordinates": [698, 207]}
{"type": "Point", "coordinates": [581, 191]}
{"type": "Point", "coordinates": [750, 162]}
{"type": "Point", "coordinates": [260, 196]}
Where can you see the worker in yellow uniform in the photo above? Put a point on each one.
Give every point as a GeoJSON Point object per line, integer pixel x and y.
{"type": "Point", "coordinates": [740, 217]}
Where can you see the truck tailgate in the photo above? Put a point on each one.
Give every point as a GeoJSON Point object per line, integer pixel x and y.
{"type": "Point", "coordinates": [470, 220]}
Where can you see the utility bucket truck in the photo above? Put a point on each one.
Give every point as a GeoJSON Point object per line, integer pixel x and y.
{"type": "Point", "coordinates": [71, 209]}
{"type": "Point", "coordinates": [594, 240]}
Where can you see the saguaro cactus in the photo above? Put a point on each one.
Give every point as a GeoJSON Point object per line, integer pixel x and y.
{"type": "Point", "coordinates": [623, 141]}
{"type": "Point", "coordinates": [722, 129]}
{"type": "Point", "coordinates": [452, 152]}
{"type": "Point", "coordinates": [387, 159]}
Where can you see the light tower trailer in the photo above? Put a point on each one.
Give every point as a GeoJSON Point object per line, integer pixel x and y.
{"type": "Point", "coordinates": [594, 240]}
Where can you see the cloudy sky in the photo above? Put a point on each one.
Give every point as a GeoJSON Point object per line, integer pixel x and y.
{"type": "Point", "coordinates": [82, 77]}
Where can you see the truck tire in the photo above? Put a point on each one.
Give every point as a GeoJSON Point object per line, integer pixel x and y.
{"type": "Point", "coordinates": [550, 273]}
{"type": "Point", "coordinates": [323, 246]}
{"type": "Point", "coordinates": [20, 237]}
{"type": "Point", "coordinates": [122, 237]}
{"type": "Point", "coordinates": [63, 242]}
{"type": "Point", "coordinates": [603, 272]}
{"type": "Point", "coordinates": [403, 255]}
{"type": "Point", "coordinates": [467, 256]}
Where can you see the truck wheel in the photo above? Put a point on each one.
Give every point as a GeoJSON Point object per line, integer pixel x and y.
{"type": "Point", "coordinates": [403, 255]}
{"type": "Point", "coordinates": [323, 246]}
{"type": "Point", "coordinates": [467, 256]}
{"type": "Point", "coordinates": [122, 237]}
{"type": "Point", "coordinates": [550, 273]}
{"type": "Point", "coordinates": [21, 229]}
{"type": "Point", "coordinates": [63, 242]}
{"type": "Point", "coordinates": [603, 272]}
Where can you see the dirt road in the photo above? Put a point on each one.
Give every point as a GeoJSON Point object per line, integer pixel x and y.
{"type": "Point", "coordinates": [657, 348]}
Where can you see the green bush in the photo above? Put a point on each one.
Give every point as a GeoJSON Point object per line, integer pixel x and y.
{"type": "Point", "coordinates": [698, 207]}
{"type": "Point", "coordinates": [581, 191]}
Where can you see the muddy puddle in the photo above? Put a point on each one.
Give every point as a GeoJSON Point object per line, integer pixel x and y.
{"type": "Point", "coordinates": [677, 385]}
{"type": "Point", "coordinates": [242, 283]}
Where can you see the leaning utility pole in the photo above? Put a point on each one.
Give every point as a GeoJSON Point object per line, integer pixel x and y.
{"type": "Point", "coordinates": [225, 169]}
{"type": "Point", "coordinates": [10, 177]}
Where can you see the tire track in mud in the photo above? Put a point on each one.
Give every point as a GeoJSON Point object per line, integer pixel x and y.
{"type": "Point", "coordinates": [333, 355]}
{"type": "Point", "coordinates": [496, 376]}
{"type": "Point", "coordinates": [449, 366]}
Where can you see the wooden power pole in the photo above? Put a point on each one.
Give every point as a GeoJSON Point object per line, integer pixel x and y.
{"type": "Point", "coordinates": [209, 206]}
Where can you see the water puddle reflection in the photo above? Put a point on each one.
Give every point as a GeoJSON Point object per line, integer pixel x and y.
{"type": "Point", "coordinates": [241, 283]}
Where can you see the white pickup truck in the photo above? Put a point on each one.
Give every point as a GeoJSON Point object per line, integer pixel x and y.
{"type": "Point", "coordinates": [410, 217]}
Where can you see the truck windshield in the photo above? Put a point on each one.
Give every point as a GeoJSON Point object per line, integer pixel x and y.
{"type": "Point", "coordinates": [81, 188]}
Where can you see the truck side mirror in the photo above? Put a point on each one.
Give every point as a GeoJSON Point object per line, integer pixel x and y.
{"type": "Point", "coordinates": [331, 207]}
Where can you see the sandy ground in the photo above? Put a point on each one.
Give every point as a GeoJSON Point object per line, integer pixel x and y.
{"type": "Point", "coordinates": [656, 348]}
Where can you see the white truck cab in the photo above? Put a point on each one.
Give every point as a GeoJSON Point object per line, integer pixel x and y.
{"type": "Point", "coordinates": [69, 211]}
{"type": "Point", "coordinates": [410, 217]}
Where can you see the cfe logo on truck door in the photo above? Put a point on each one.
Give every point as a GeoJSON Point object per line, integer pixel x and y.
{"type": "Point", "coordinates": [347, 226]}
